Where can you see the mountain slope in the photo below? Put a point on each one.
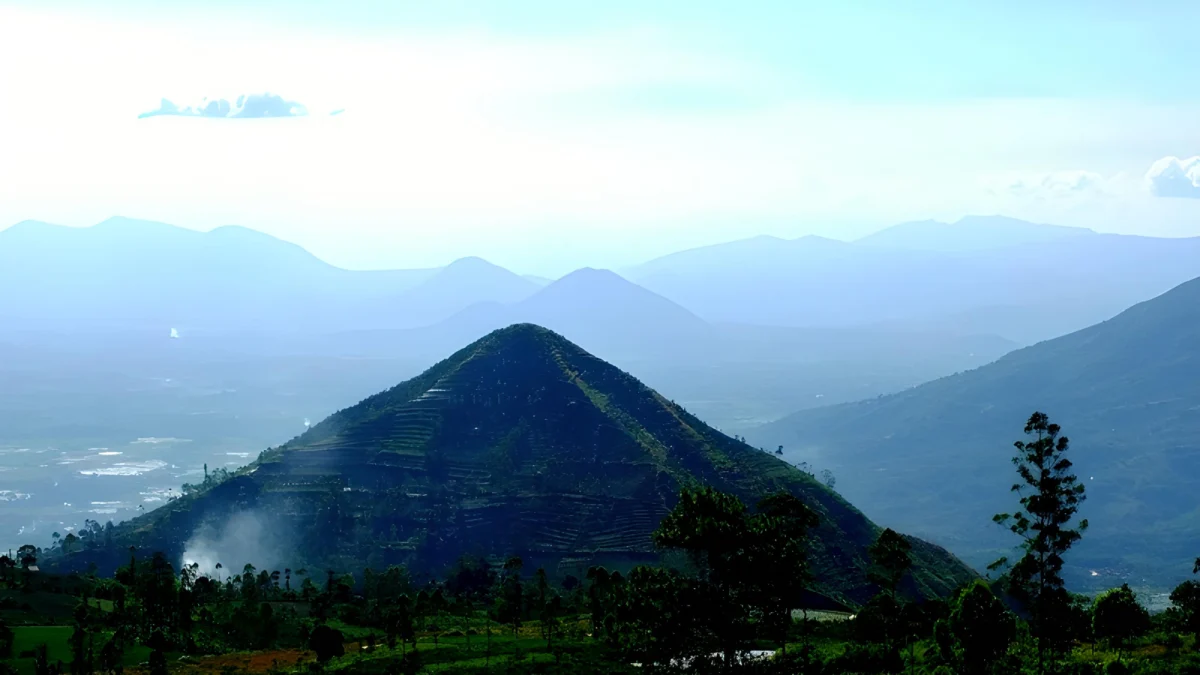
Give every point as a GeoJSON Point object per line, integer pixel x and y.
{"type": "Point", "coordinates": [1127, 393]}
{"type": "Point", "coordinates": [1022, 281]}
{"type": "Point", "coordinates": [521, 443]}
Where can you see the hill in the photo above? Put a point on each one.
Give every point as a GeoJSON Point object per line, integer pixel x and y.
{"type": "Point", "coordinates": [452, 289]}
{"type": "Point", "coordinates": [1022, 281]}
{"type": "Point", "coordinates": [521, 443]}
{"type": "Point", "coordinates": [124, 273]}
{"type": "Point", "coordinates": [597, 308]}
{"type": "Point", "coordinates": [972, 233]}
{"type": "Point", "coordinates": [1126, 392]}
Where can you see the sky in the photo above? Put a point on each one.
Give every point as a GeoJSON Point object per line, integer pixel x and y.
{"type": "Point", "coordinates": [545, 135]}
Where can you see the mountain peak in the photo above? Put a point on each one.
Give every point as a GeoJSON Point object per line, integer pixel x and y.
{"type": "Point", "coordinates": [27, 228]}
{"type": "Point", "coordinates": [521, 443]}
{"type": "Point", "coordinates": [592, 275]}
{"type": "Point", "coordinates": [472, 262]}
{"type": "Point", "coordinates": [524, 334]}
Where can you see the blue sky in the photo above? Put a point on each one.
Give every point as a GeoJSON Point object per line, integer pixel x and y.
{"type": "Point", "coordinates": [546, 135]}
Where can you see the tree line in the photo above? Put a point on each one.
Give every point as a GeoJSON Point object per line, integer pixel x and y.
{"type": "Point", "coordinates": [728, 596]}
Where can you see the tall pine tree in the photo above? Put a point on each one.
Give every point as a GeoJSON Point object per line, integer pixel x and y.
{"type": "Point", "coordinates": [1050, 495]}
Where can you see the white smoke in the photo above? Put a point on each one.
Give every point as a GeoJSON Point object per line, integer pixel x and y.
{"type": "Point", "coordinates": [243, 538]}
{"type": "Point", "coordinates": [174, 334]}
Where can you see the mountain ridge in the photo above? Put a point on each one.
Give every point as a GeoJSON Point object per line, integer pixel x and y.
{"type": "Point", "coordinates": [520, 443]}
{"type": "Point", "coordinates": [1124, 391]}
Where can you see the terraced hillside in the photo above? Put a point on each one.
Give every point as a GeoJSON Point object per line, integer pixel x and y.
{"type": "Point", "coordinates": [521, 443]}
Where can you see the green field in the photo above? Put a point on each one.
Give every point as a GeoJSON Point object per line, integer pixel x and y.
{"type": "Point", "coordinates": [27, 638]}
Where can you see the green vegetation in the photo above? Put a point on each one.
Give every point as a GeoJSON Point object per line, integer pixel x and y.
{"type": "Point", "coordinates": [733, 600]}
{"type": "Point", "coordinates": [1127, 387]}
{"type": "Point", "coordinates": [748, 564]}
{"type": "Point", "coordinates": [519, 444]}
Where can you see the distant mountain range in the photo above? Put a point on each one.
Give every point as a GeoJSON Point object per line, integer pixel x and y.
{"type": "Point", "coordinates": [935, 459]}
{"type": "Point", "coordinates": [758, 371]}
{"type": "Point", "coordinates": [125, 273]}
{"type": "Point", "coordinates": [972, 233]}
{"type": "Point", "coordinates": [1023, 281]}
{"type": "Point", "coordinates": [982, 275]}
{"type": "Point", "coordinates": [519, 444]}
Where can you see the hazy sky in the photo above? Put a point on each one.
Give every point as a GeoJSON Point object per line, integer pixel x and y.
{"type": "Point", "coordinates": [545, 137]}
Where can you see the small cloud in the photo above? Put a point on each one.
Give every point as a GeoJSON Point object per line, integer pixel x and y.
{"type": "Point", "coordinates": [247, 106]}
{"type": "Point", "coordinates": [1175, 177]}
{"type": "Point", "coordinates": [1050, 184]}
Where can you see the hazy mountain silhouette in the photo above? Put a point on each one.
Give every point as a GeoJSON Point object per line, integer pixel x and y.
{"type": "Point", "coordinates": [459, 285]}
{"type": "Point", "coordinates": [124, 273]}
{"type": "Point", "coordinates": [1126, 392]}
{"type": "Point", "coordinates": [972, 233]}
{"type": "Point", "coordinates": [519, 444]}
{"type": "Point", "coordinates": [735, 375]}
{"type": "Point", "coordinates": [597, 307]}
{"type": "Point", "coordinates": [1028, 291]}
{"type": "Point", "coordinates": [133, 273]}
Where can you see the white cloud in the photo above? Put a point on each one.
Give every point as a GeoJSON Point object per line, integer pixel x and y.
{"type": "Point", "coordinates": [245, 106]}
{"type": "Point", "coordinates": [1051, 185]}
{"type": "Point", "coordinates": [1175, 177]}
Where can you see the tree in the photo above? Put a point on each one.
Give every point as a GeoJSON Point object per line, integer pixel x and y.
{"type": "Point", "coordinates": [511, 598]}
{"type": "Point", "coordinates": [883, 617]}
{"type": "Point", "coordinates": [710, 527]}
{"type": "Point", "coordinates": [982, 627]}
{"type": "Point", "coordinates": [655, 615]}
{"type": "Point", "coordinates": [81, 653]}
{"type": "Point", "coordinates": [779, 550]}
{"type": "Point", "coordinates": [158, 658]}
{"type": "Point", "coordinates": [599, 586]}
{"type": "Point", "coordinates": [470, 582]}
{"type": "Point", "coordinates": [401, 623]}
{"type": "Point", "coordinates": [1050, 496]}
{"type": "Point", "coordinates": [1117, 617]}
{"type": "Point", "coordinates": [750, 564]}
{"type": "Point", "coordinates": [828, 478]}
{"type": "Point", "coordinates": [1186, 600]}
{"type": "Point", "coordinates": [112, 654]}
{"type": "Point", "coordinates": [27, 556]}
{"type": "Point", "coordinates": [326, 642]}
{"type": "Point", "coordinates": [41, 659]}
{"type": "Point", "coordinates": [436, 604]}
{"type": "Point", "coordinates": [7, 639]}
{"type": "Point", "coordinates": [891, 559]}
{"type": "Point", "coordinates": [69, 541]}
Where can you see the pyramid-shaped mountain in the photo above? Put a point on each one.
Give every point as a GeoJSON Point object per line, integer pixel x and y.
{"type": "Point", "coordinates": [520, 444]}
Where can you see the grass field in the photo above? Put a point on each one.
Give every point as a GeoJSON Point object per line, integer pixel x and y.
{"type": "Point", "coordinates": [36, 608]}
{"type": "Point", "coordinates": [27, 638]}
{"type": "Point", "coordinates": [58, 646]}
